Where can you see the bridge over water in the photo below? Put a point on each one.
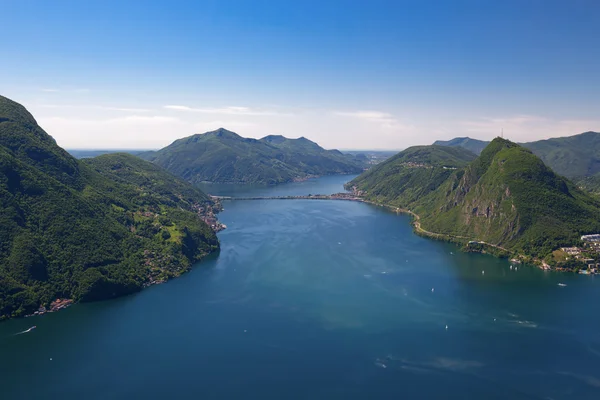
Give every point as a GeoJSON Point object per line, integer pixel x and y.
{"type": "Point", "coordinates": [335, 196]}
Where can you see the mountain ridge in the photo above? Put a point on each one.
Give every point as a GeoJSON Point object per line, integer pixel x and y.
{"type": "Point", "coordinates": [506, 197]}
{"type": "Point", "coordinates": [224, 156]}
{"type": "Point", "coordinates": [573, 156]}
{"type": "Point", "coordinates": [89, 230]}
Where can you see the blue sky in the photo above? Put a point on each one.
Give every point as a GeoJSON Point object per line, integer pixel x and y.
{"type": "Point", "coordinates": [347, 74]}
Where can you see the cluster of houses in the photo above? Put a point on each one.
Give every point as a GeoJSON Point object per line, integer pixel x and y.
{"type": "Point", "coordinates": [208, 214]}
{"type": "Point", "coordinates": [411, 164]}
{"type": "Point", "coordinates": [56, 305]}
{"type": "Point", "coordinates": [591, 245]}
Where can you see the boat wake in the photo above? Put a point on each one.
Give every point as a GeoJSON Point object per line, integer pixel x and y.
{"type": "Point", "coordinates": [26, 331]}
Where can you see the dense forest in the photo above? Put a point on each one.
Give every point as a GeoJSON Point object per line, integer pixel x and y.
{"type": "Point", "coordinates": [87, 230]}
{"type": "Point", "coordinates": [574, 157]}
{"type": "Point", "coordinates": [224, 156]}
{"type": "Point", "coordinates": [506, 196]}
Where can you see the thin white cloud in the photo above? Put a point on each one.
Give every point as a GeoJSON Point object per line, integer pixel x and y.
{"type": "Point", "coordinates": [385, 120]}
{"type": "Point", "coordinates": [231, 110]}
{"type": "Point", "coordinates": [94, 107]}
{"type": "Point", "coordinates": [76, 90]}
{"type": "Point", "coordinates": [524, 128]}
{"type": "Point", "coordinates": [131, 131]}
{"type": "Point", "coordinates": [144, 119]}
{"type": "Point", "coordinates": [212, 125]}
{"type": "Point", "coordinates": [373, 116]}
{"type": "Point", "coordinates": [125, 109]}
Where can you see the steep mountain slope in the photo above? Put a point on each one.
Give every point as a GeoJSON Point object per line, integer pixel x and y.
{"type": "Point", "coordinates": [571, 156]}
{"type": "Point", "coordinates": [589, 184]}
{"type": "Point", "coordinates": [224, 156]}
{"type": "Point", "coordinates": [507, 196]}
{"type": "Point", "coordinates": [72, 231]}
{"type": "Point", "coordinates": [411, 174]}
{"type": "Point", "coordinates": [473, 145]}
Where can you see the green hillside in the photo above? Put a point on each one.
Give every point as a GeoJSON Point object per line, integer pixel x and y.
{"type": "Point", "coordinates": [590, 184]}
{"type": "Point", "coordinates": [84, 153]}
{"type": "Point", "coordinates": [86, 231]}
{"type": "Point", "coordinates": [224, 156]}
{"type": "Point", "coordinates": [572, 156]}
{"type": "Point", "coordinates": [473, 145]}
{"type": "Point", "coordinates": [508, 197]}
{"type": "Point", "coordinates": [411, 174]}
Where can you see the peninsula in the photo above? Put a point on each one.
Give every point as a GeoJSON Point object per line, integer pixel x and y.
{"type": "Point", "coordinates": [76, 230]}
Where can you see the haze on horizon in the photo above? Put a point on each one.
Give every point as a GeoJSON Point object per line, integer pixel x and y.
{"type": "Point", "coordinates": [348, 75]}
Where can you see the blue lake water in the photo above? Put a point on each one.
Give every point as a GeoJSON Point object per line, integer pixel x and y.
{"type": "Point", "coordinates": [320, 300]}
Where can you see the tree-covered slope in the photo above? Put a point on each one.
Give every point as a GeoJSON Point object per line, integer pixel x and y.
{"type": "Point", "coordinates": [572, 156]}
{"type": "Point", "coordinates": [86, 231]}
{"type": "Point", "coordinates": [224, 156]}
{"type": "Point", "coordinates": [506, 196]}
{"type": "Point", "coordinates": [509, 197]}
{"type": "Point", "coordinates": [589, 184]}
{"type": "Point", "coordinates": [473, 145]}
{"type": "Point", "coordinates": [411, 174]}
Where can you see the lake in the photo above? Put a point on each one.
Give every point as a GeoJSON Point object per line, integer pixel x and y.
{"type": "Point", "coordinates": [320, 300]}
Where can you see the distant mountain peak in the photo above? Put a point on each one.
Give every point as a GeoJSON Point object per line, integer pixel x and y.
{"type": "Point", "coordinates": [222, 132]}
{"type": "Point", "coordinates": [473, 145]}
{"type": "Point", "coordinates": [274, 139]}
{"type": "Point", "coordinates": [224, 156]}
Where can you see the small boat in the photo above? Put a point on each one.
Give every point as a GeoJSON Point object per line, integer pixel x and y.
{"type": "Point", "coordinates": [562, 284]}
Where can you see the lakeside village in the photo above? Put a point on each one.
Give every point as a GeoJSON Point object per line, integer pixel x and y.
{"type": "Point", "coordinates": [585, 259]}
{"type": "Point", "coordinates": [207, 213]}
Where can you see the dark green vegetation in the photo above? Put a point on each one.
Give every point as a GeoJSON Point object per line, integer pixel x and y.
{"type": "Point", "coordinates": [589, 183]}
{"type": "Point", "coordinates": [572, 156]}
{"type": "Point", "coordinates": [85, 153]}
{"type": "Point", "coordinates": [473, 145]}
{"type": "Point", "coordinates": [224, 156]}
{"type": "Point", "coordinates": [371, 157]}
{"type": "Point", "coordinates": [87, 230]}
{"type": "Point", "coordinates": [412, 173]}
{"type": "Point", "coordinates": [506, 197]}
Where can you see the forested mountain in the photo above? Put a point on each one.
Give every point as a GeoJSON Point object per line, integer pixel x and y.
{"type": "Point", "coordinates": [86, 153]}
{"type": "Point", "coordinates": [572, 156]}
{"type": "Point", "coordinates": [506, 196]}
{"type": "Point", "coordinates": [87, 230]}
{"type": "Point", "coordinates": [473, 145]}
{"type": "Point", "coordinates": [412, 173]}
{"type": "Point", "coordinates": [224, 156]}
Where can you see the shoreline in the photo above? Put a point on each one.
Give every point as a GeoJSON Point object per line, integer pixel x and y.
{"type": "Point", "coordinates": [465, 241]}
